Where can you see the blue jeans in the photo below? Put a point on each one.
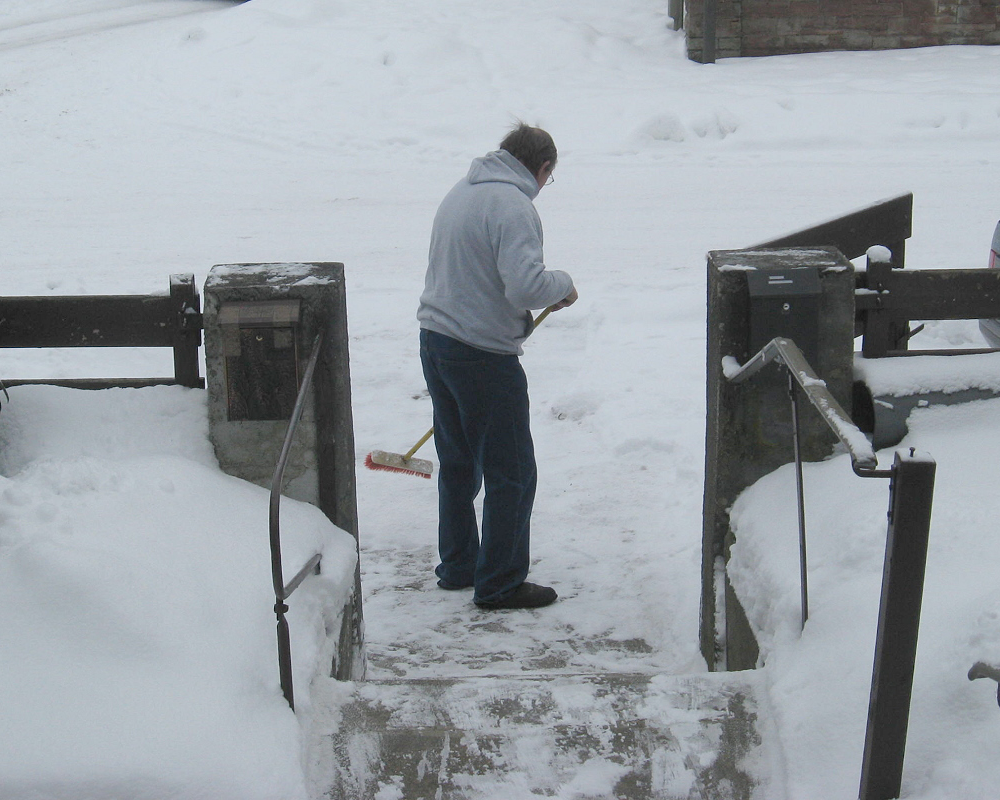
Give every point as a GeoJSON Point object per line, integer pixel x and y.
{"type": "Point", "coordinates": [481, 433]}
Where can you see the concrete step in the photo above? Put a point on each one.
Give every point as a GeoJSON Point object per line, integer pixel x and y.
{"type": "Point", "coordinates": [621, 736]}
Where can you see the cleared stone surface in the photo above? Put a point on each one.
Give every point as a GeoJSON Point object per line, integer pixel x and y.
{"type": "Point", "coordinates": [465, 704]}
{"type": "Point", "coordinates": [424, 632]}
{"type": "Point", "coordinates": [622, 736]}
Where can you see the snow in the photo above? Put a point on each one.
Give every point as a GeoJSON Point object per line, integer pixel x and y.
{"type": "Point", "coordinates": [148, 138]}
{"type": "Point", "coordinates": [730, 367]}
{"type": "Point", "coordinates": [897, 377]}
{"type": "Point", "coordinates": [138, 653]}
{"type": "Point", "coordinates": [820, 679]}
{"type": "Point", "coordinates": [879, 254]}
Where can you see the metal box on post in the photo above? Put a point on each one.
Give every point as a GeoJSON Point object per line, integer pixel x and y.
{"type": "Point", "coordinates": [785, 302]}
{"type": "Point", "coordinates": [260, 348]}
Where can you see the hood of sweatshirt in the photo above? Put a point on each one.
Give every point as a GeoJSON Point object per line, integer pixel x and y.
{"type": "Point", "coordinates": [501, 167]}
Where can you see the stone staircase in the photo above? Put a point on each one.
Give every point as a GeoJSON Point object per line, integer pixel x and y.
{"type": "Point", "coordinates": [620, 736]}
{"type": "Point", "coordinates": [463, 704]}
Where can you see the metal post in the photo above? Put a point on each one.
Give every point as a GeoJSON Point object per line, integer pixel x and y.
{"type": "Point", "coordinates": [803, 561]}
{"type": "Point", "coordinates": [910, 493]}
{"type": "Point", "coordinates": [284, 654]}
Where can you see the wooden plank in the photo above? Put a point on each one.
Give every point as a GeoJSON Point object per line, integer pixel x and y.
{"type": "Point", "coordinates": [941, 294]}
{"type": "Point", "coordinates": [888, 223]}
{"type": "Point", "coordinates": [888, 299]}
{"type": "Point", "coordinates": [92, 383]}
{"type": "Point", "coordinates": [172, 320]}
{"type": "Point", "coordinates": [958, 351]}
{"type": "Point", "coordinates": [88, 321]}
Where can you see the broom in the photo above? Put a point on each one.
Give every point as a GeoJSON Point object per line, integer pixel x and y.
{"type": "Point", "coordinates": [406, 463]}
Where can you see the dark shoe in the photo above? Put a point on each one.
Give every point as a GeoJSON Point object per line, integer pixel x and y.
{"type": "Point", "coordinates": [453, 587]}
{"type": "Point", "coordinates": [527, 595]}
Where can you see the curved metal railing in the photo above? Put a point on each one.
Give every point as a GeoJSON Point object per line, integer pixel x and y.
{"type": "Point", "coordinates": [282, 591]}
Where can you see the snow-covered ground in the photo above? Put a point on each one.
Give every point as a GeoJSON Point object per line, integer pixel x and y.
{"type": "Point", "coordinates": [139, 648]}
{"type": "Point", "coordinates": [146, 138]}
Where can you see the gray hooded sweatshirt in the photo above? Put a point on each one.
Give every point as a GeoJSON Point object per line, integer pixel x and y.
{"type": "Point", "coordinates": [485, 269]}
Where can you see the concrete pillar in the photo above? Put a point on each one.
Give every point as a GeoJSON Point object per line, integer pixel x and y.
{"type": "Point", "coordinates": [748, 428]}
{"type": "Point", "coordinates": [260, 324]}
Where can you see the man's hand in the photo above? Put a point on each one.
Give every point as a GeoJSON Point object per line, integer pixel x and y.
{"type": "Point", "coordinates": [568, 300]}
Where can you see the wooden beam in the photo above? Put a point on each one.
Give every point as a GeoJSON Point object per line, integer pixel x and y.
{"type": "Point", "coordinates": [88, 321]}
{"type": "Point", "coordinates": [888, 223]}
{"type": "Point", "coordinates": [172, 320]}
{"type": "Point", "coordinates": [936, 294]}
{"type": "Point", "coordinates": [93, 383]}
{"type": "Point", "coordinates": [187, 330]}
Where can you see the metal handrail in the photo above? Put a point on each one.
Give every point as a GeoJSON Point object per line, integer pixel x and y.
{"type": "Point", "coordinates": [785, 351]}
{"type": "Point", "coordinates": [282, 591]}
{"type": "Point", "coordinates": [863, 459]}
{"type": "Point", "coordinates": [911, 488]}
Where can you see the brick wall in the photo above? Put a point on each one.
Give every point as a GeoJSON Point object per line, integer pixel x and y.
{"type": "Point", "coordinates": [776, 27]}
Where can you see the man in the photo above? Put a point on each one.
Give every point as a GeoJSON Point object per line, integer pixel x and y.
{"type": "Point", "coordinates": [485, 273]}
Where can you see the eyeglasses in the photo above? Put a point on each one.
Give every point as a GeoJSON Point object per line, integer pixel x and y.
{"type": "Point", "coordinates": [550, 181]}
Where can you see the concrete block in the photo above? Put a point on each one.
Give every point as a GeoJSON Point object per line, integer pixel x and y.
{"type": "Point", "coordinates": [748, 429]}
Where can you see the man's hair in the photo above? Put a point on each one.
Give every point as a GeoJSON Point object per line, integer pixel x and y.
{"type": "Point", "coordinates": [531, 146]}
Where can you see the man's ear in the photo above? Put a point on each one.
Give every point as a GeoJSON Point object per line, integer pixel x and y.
{"type": "Point", "coordinates": [543, 173]}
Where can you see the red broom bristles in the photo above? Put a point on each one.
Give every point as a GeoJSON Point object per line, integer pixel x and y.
{"type": "Point", "coordinates": [371, 464]}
